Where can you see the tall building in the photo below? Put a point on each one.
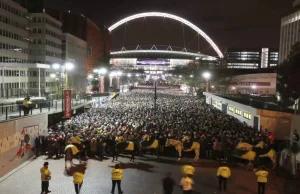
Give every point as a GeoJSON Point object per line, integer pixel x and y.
{"type": "Point", "coordinates": [289, 32]}
{"type": "Point", "coordinates": [25, 52]}
{"type": "Point", "coordinates": [251, 58]}
{"type": "Point", "coordinates": [75, 51]}
{"type": "Point", "coordinates": [33, 6]}
{"type": "Point", "coordinates": [98, 39]}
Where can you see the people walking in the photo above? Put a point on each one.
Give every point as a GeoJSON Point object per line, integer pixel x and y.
{"type": "Point", "coordinates": [168, 184]}
{"type": "Point", "coordinates": [223, 174]}
{"type": "Point", "coordinates": [262, 179]}
{"type": "Point", "coordinates": [188, 170]}
{"type": "Point", "coordinates": [45, 177]}
{"type": "Point", "coordinates": [117, 175]}
{"type": "Point", "coordinates": [78, 176]}
{"type": "Point", "coordinates": [26, 105]}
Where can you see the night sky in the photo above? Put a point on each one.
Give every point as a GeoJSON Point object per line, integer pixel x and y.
{"type": "Point", "coordinates": [229, 23]}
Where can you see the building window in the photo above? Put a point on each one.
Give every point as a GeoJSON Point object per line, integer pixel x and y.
{"type": "Point", "coordinates": [90, 51]}
{"type": "Point", "coordinates": [238, 112]}
{"type": "Point", "coordinates": [230, 108]}
{"type": "Point", "coordinates": [247, 115]}
{"type": "Point", "coordinates": [219, 103]}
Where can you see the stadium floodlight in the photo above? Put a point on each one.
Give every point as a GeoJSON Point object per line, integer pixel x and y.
{"type": "Point", "coordinates": [170, 16]}
{"type": "Point", "coordinates": [206, 75]}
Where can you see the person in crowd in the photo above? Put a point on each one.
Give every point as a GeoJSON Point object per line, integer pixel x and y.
{"type": "Point", "coordinates": [186, 184]}
{"type": "Point", "coordinates": [117, 175]}
{"type": "Point", "coordinates": [78, 176]}
{"type": "Point", "coordinates": [38, 145]}
{"type": "Point", "coordinates": [168, 184]}
{"type": "Point", "coordinates": [262, 179]}
{"type": "Point", "coordinates": [45, 177]}
{"type": "Point", "coordinates": [223, 174]}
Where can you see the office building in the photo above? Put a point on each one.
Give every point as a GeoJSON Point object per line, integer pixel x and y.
{"type": "Point", "coordinates": [74, 50]}
{"type": "Point", "coordinates": [251, 58]}
{"type": "Point", "coordinates": [289, 32]}
{"type": "Point", "coordinates": [25, 51]}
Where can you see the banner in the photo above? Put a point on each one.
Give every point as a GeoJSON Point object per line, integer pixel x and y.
{"type": "Point", "coordinates": [67, 104]}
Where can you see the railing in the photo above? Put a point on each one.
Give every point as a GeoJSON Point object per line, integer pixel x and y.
{"type": "Point", "coordinates": [15, 110]}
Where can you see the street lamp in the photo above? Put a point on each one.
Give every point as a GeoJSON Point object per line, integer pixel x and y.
{"type": "Point", "coordinates": [128, 75]}
{"type": "Point", "coordinates": [63, 70]}
{"type": "Point", "coordinates": [191, 76]}
{"type": "Point", "coordinates": [207, 76]}
{"type": "Point", "coordinates": [180, 76]}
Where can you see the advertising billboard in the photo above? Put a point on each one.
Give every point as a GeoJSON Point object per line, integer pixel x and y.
{"type": "Point", "coordinates": [153, 62]}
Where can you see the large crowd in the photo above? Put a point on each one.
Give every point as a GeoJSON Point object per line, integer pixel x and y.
{"type": "Point", "coordinates": [133, 115]}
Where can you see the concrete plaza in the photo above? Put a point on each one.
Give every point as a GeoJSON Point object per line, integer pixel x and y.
{"type": "Point", "coordinates": [140, 177]}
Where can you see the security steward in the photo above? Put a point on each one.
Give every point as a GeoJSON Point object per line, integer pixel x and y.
{"type": "Point", "coordinates": [26, 105]}
{"type": "Point", "coordinates": [262, 179]}
{"type": "Point", "coordinates": [78, 176]}
{"type": "Point", "coordinates": [45, 177]}
{"type": "Point", "coordinates": [223, 174]}
{"type": "Point", "coordinates": [188, 170]}
{"type": "Point", "coordinates": [116, 177]}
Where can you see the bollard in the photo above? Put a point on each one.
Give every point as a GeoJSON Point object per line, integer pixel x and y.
{"type": "Point", "coordinates": [6, 112]}
{"type": "Point", "coordinates": [55, 105]}
{"type": "Point", "coordinates": [20, 112]}
{"type": "Point", "coordinates": [12, 107]}
{"type": "Point", "coordinates": [49, 106]}
{"type": "Point", "coordinates": [31, 110]}
{"type": "Point", "coordinates": [2, 108]}
{"type": "Point", "coordinates": [40, 108]}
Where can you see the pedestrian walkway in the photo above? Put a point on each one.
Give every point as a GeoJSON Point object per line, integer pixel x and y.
{"type": "Point", "coordinates": [141, 177]}
{"type": "Point", "coordinates": [56, 106]}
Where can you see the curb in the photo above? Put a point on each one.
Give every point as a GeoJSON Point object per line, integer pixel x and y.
{"type": "Point", "coordinates": [16, 169]}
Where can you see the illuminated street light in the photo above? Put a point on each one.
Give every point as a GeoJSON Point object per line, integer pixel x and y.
{"type": "Point", "coordinates": [119, 73]}
{"type": "Point", "coordinates": [128, 75]}
{"type": "Point", "coordinates": [102, 71]}
{"type": "Point", "coordinates": [56, 66]}
{"type": "Point", "coordinates": [137, 75]}
{"type": "Point", "coordinates": [233, 88]}
{"type": "Point", "coordinates": [53, 75]}
{"type": "Point", "coordinates": [180, 76]}
{"type": "Point", "coordinates": [69, 66]}
{"type": "Point", "coordinates": [90, 76]}
{"type": "Point", "coordinates": [212, 86]}
{"type": "Point", "coordinates": [191, 76]}
{"type": "Point", "coordinates": [253, 87]}
{"type": "Point", "coordinates": [206, 75]}
{"type": "Point", "coordinates": [112, 74]}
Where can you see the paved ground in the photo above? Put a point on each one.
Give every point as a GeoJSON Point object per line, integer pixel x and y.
{"type": "Point", "coordinates": [140, 177]}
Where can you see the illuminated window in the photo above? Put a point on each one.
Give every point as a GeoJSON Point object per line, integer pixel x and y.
{"type": "Point", "coordinates": [230, 108]}
{"type": "Point", "coordinates": [238, 112]}
{"type": "Point", "coordinates": [247, 115]}
{"type": "Point", "coordinates": [219, 103]}
{"type": "Point", "coordinates": [214, 102]}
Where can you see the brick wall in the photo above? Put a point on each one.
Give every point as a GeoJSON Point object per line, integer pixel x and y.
{"type": "Point", "coordinates": [11, 137]}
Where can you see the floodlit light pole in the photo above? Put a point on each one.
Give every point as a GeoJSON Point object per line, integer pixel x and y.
{"type": "Point", "coordinates": [63, 73]}
{"type": "Point", "coordinates": [207, 76]}
{"type": "Point", "coordinates": [101, 72]}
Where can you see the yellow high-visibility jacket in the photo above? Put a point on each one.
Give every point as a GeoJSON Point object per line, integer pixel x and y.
{"type": "Point", "coordinates": [188, 169]}
{"type": "Point", "coordinates": [117, 174]}
{"type": "Point", "coordinates": [45, 173]}
{"type": "Point", "coordinates": [262, 176]}
{"type": "Point", "coordinates": [224, 171]}
{"type": "Point", "coordinates": [78, 177]}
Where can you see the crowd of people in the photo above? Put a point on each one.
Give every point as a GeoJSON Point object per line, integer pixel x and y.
{"type": "Point", "coordinates": [132, 115]}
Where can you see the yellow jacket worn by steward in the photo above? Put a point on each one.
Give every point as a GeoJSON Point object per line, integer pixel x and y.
{"type": "Point", "coordinates": [188, 169]}
{"type": "Point", "coordinates": [78, 177]}
{"type": "Point", "coordinates": [116, 174]}
{"type": "Point", "coordinates": [262, 176]}
{"type": "Point", "coordinates": [224, 171]}
{"type": "Point", "coordinates": [45, 174]}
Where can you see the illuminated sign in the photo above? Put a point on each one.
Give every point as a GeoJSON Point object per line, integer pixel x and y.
{"type": "Point", "coordinates": [151, 62]}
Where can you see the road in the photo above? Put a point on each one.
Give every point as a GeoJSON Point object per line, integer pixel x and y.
{"type": "Point", "coordinates": [140, 177]}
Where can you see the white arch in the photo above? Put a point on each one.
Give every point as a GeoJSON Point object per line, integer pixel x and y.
{"type": "Point", "coordinates": [174, 17]}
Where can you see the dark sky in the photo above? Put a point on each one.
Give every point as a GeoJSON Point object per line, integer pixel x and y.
{"type": "Point", "coordinates": [229, 23]}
